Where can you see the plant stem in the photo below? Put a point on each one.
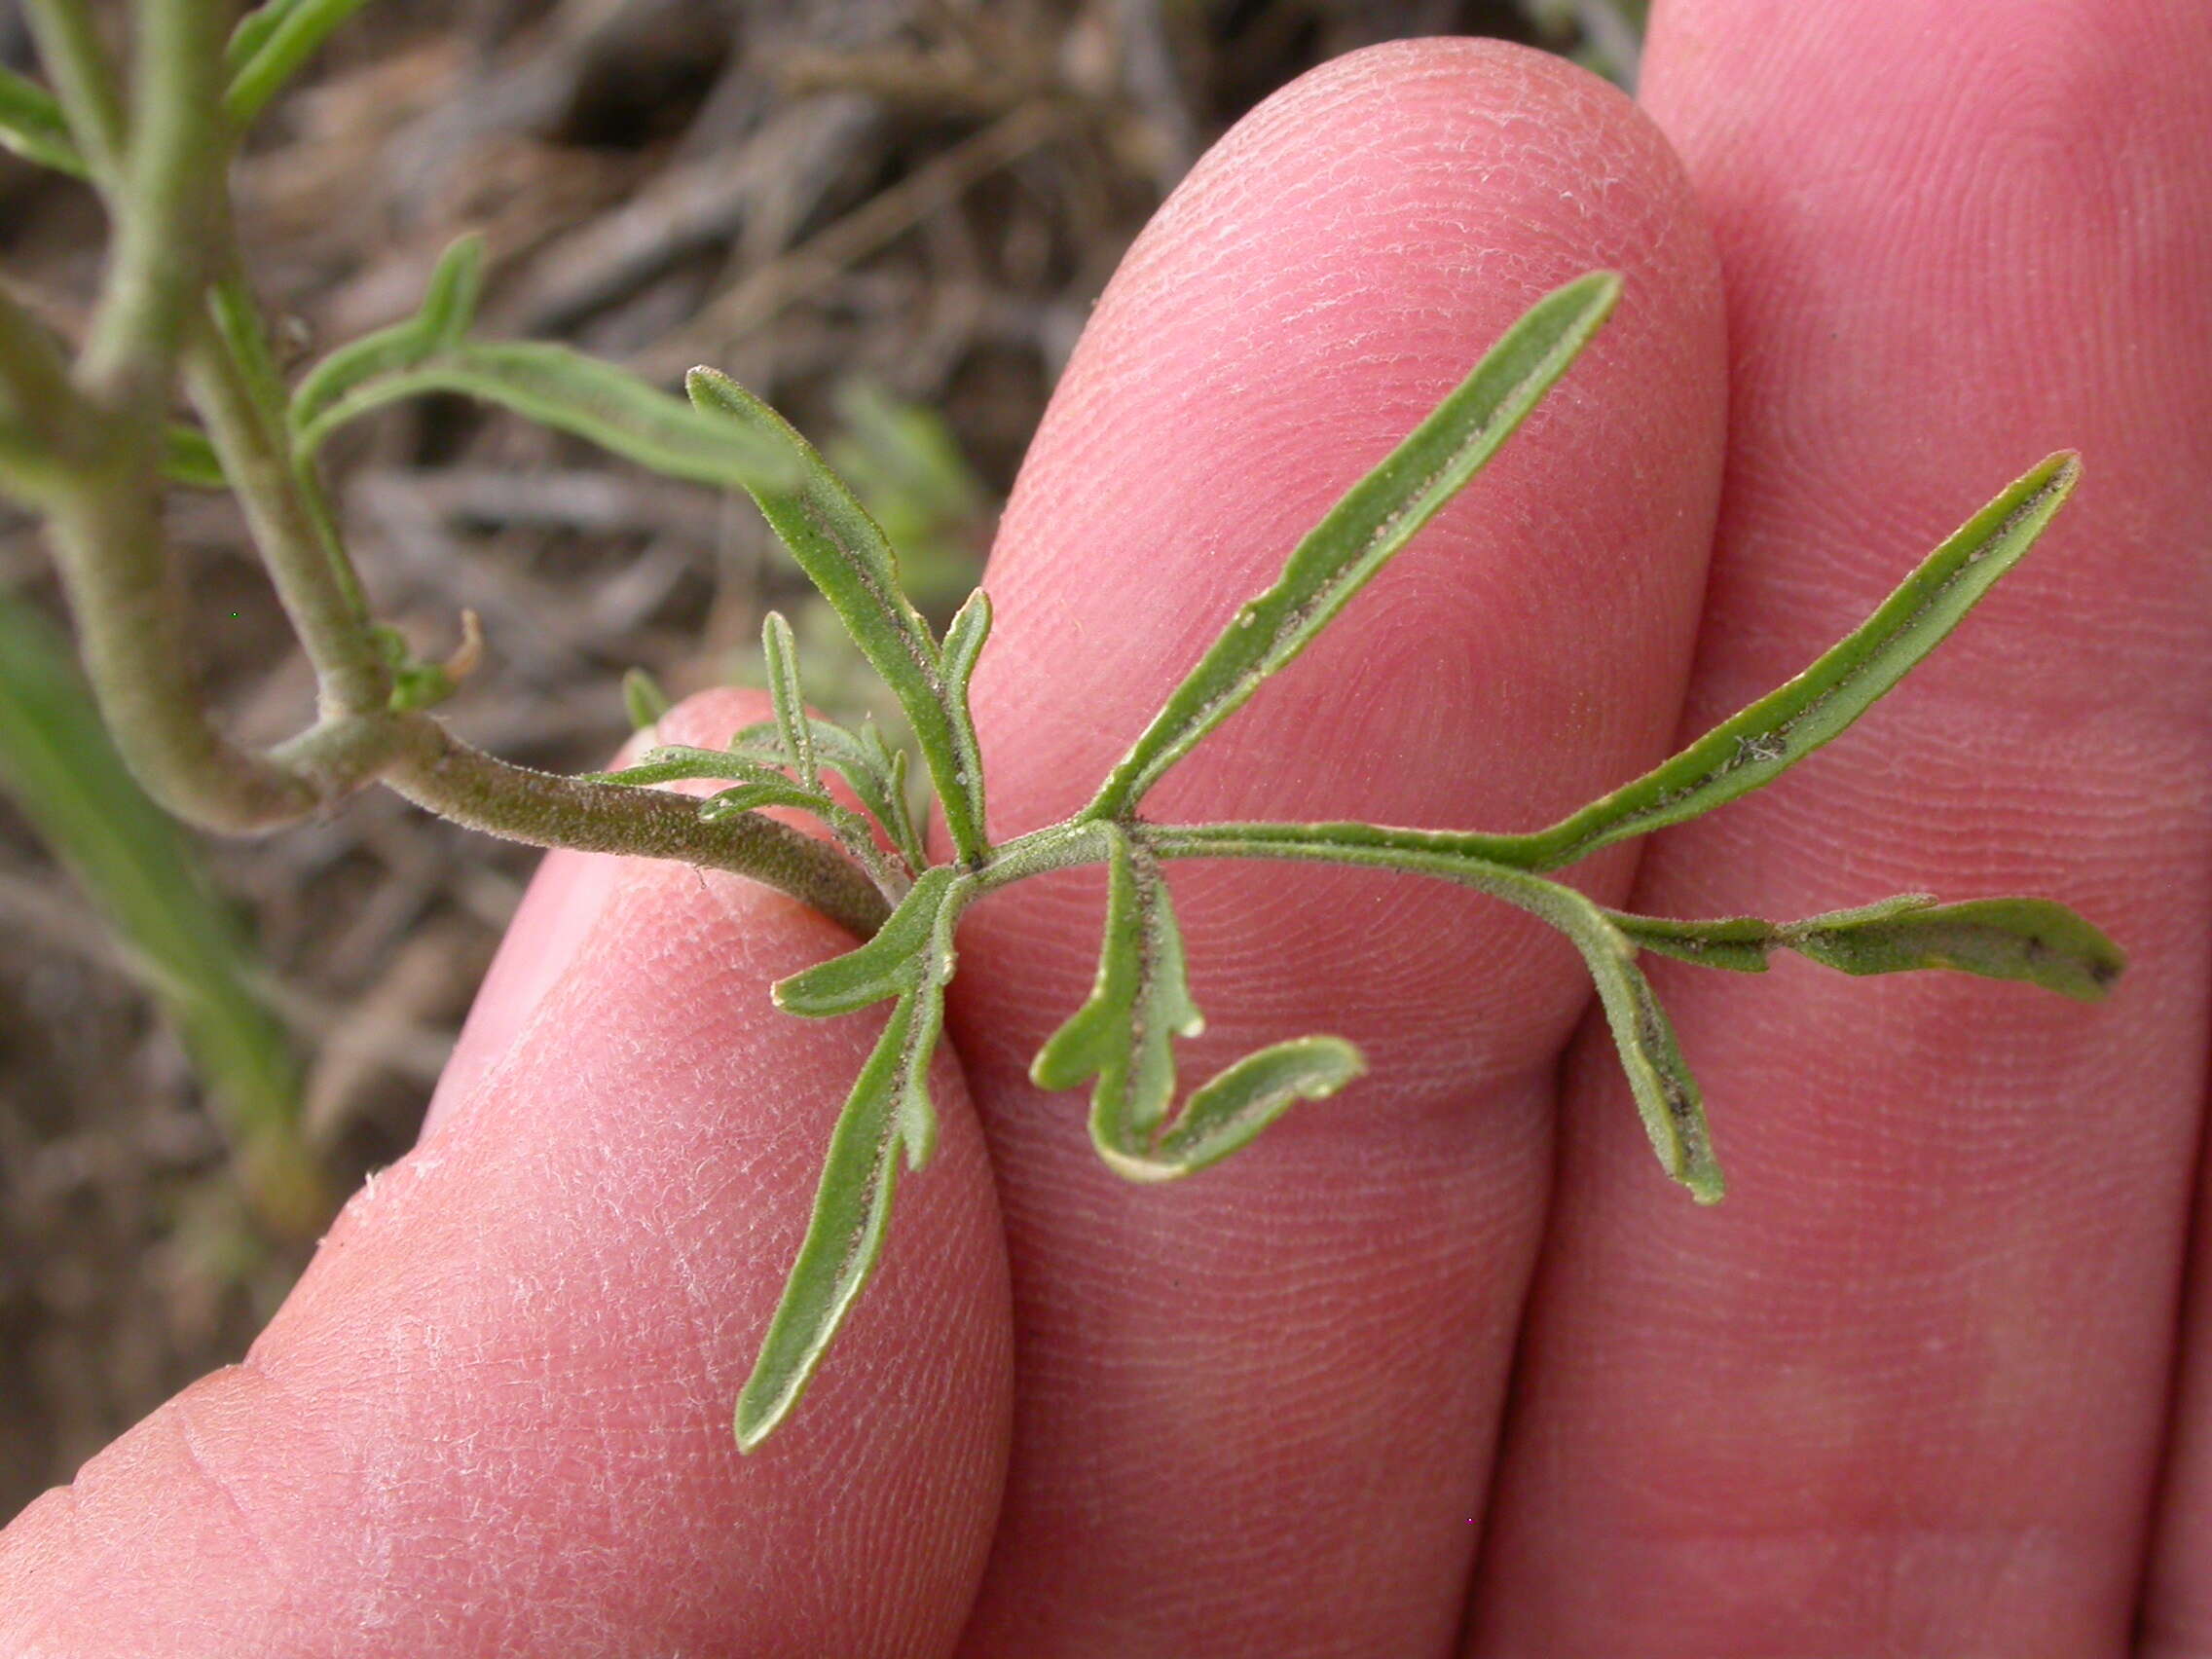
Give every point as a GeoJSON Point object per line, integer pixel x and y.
{"type": "Point", "coordinates": [1448, 856]}
{"type": "Point", "coordinates": [1320, 843]}
{"type": "Point", "coordinates": [105, 531]}
{"type": "Point", "coordinates": [481, 792]}
{"type": "Point", "coordinates": [34, 381]}
{"type": "Point", "coordinates": [76, 60]}
{"type": "Point", "coordinates": [227, 375]}
{"type": "Point", "coordinates": [173, 236]}
{"type": "Point", "coordinates": [170, 183]}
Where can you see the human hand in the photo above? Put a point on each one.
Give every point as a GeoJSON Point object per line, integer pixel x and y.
{"type": "Point", "coordinates": [1448, 1348]}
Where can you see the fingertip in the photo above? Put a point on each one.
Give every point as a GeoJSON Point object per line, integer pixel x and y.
{"type": "Point", "coordinates": [565, 898]}
{"type": "Point", "coordinates": [494, 1416]}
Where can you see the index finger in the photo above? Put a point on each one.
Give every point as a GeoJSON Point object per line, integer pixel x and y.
{"type": "Point", "coordinates": [494, 1414]}
{"type": "Point", "coordinates": [1255, 1409]}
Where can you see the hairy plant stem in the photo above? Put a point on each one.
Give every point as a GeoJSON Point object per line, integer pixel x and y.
{"type": "Point", "coordinates": [230, 382]}
{"type": "Point", "coordinates": [170, 183]}
{"type": "Point", "coordinates": [87, 447]}
{"type": "Point", "coordinates": [482, 792]}
{"type": "Point", "coordinates": [106, 535]}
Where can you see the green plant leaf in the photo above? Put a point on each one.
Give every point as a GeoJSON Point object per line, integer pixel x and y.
{"type": "Point", "coordinates": [780, 653]}
{"type": "Point", "coordinates": [1743, 944]}
{"type": "Point", "coordinates": [761, 782]}
{"type": "Point", "coordinates": [142, 872]}
{"type": "Point", "coordinates": [1123, 1035]}
{"type": "Point", "coordinates": [845, 555]}
{"type": "Point", "coordinates": [1781, 728]}
{"type": "Point", "coordinates": [905, 828]}
{"type": "Point", "coordinates": [1666, 1095]}
{"type": "Point", "coordinates": [271, 42]}
{"type": "Point", "coordinates": [189, 458]}
{"type": "Point", "coordinates": [770, 792]}
{"type": "Point", "coordinates": [439, 324]}
{"type": "Point", "coordinates": [1375, 519]}
{"type": "Point", "coordinates": [671, 763]}
{"type": "Point", "coordinates": [32, 125]}
{"type": "Point", "coordinates": [1226, 1112]}
{"type": "Point", "coordinates": [912, 948]}
{"type": "Point", "coordinates": [868, 767]}
{"type": "Point", "coordinates": [844, 1237]}
{"type": "Point", "coordinates": [642, 699]}
{"type": "Point", "coordinates": [572, 394]}
{"type": "Point", "coordinates": [889, 1106]}
{"type": "Point", "coordinates": [964, 642]}
{"type": "Point", "coordinates": [2031, 940]}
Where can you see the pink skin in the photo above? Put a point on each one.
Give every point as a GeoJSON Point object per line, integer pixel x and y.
{"type": "Point", "coordinates": [1907, 1391]}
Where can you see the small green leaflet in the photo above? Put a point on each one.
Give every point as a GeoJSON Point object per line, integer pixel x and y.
{"type": "Point", "coordinates": [761, 782]}
{"type": "Point", "coordinates": [1666, 1096]}
{"type": "Point", "coordinates": [1781, 728]}
{"type": "Point", "coordinates": [642, 699]}
{"type": "Point", "coordinates": [572, 394]}
{"type": "Point", "coordinates": [867, 763]}
{"type": "Point", "coordinates": [439, 324]}
{"type": "Point", "coordinates": [912, 946]}
{"type": "Point", "coordinates": [31, 125]}
{"type": "Point", "coordinates": [271, 42]}
{"type": "Point", "coordinates": [912, 959]}
{"type": "Point", "coordinates": [1230, 1109]}
{"type": "Point", "coordinates": [780, 653]}
{"type": "Point", "coordinates": [1375, 519]}
{"type": "Point", "coordinates": [673, 761]}
{"type": "Point", "coordinates": [189, 458]}
{"type": "Point", "coordinates": [844, 551]}
{"type": "Point", "coordinates": [1124, 1035]}
{"type": "Point", "coordinates": [2033, 939]}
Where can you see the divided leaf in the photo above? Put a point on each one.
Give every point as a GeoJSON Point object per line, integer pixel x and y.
{"type": "Point", "coordinates": [780, 653]}
{"type": "Point", "coordinates": [271, 42]}
{"type": "Point", "coordinates": [845, 555]}
{"type": "Point", "coordinates": [32, 125]}
{"type": "Point", "coordinates": [889, 1107]}
{"type": "Point", "coordinates": [1781, 728]}
{"type": "Point", "coordinates": [1124, 1035]}
{"type": "Point", "coordinates": [1375, 518]}
{"type": "Point", "coordinates": [448, 309]}
{"type": "Point", "coordinates": [2032, 940]}
{"type": "Point", "coordinates": [867, 763]}
{"type": "Point", "coordinates": [642, 699]}
{"type": "Point", "coordinates": [914, 946]}
{"type": "Point", "coordinates": [1666, 1095]}
{"type": "Point", "coordinates": [563, 390]}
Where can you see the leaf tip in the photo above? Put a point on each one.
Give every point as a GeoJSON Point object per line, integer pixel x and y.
{"type": "Point", "coordinates": [757, 1418]}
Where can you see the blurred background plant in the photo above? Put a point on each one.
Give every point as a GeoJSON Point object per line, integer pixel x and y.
{"type": "Point", "coordinates": [890, 217]}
